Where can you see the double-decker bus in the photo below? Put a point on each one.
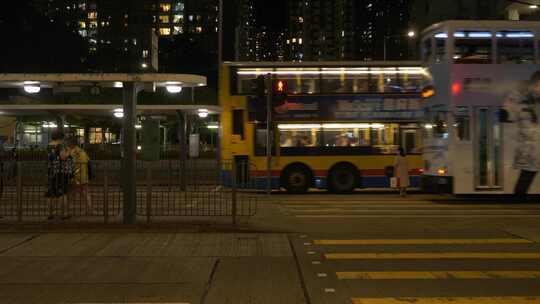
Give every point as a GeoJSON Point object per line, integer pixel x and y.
{"type": "Point", "coordinates": [483, 132]}
{"type": "Point", "coordinates": [339, 128]}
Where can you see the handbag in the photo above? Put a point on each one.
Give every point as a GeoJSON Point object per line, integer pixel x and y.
{"type": "Point", "coordinates": [393, 182]}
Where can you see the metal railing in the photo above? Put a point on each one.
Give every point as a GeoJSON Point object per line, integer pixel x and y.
{"type": "Point", "coordinates": [30, 191]}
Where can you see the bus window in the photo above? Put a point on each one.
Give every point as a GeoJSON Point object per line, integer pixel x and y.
{"type": "Point", "coordinates": [260, 140]}
{"type": "Point", "coordinates": [515, 47]}
{"type": "Point", "coordinates": [299, 136]}
{"type": "Point", "coordinates": [300, 80]}
{"type": "Point", "coordinates": [238, 123]}
{"type": "Point", "coordinates": [472, 47]}
{"type": "Point", "coordinates": [391, 81]}
{"type": "Point", "coordinates": [346, 135]}
{"type": "Point", "coordinates": [244, 79]}
{"type": "Point", "coordinates": [341, 80]}
{"type": "Point", "coordinates": [384, 137]}
{"type": "Point", "coordinates": [426, 50]}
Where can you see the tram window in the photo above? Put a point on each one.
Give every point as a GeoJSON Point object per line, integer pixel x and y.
{"type": "Point", "coordinates": [515, 47]}
{"type": "Point", "coordinates": [335, 80]}
{"type": "Point", "coordinates": [440, 47]}
{"type": "Point", "coordinates": [300, 136]}
{"type": "Point", "coordinates": [473, 47]}
{"type": "Point", "coordinates": [462, 126]}
{"type": "Point", "coordinates": [426, 50]}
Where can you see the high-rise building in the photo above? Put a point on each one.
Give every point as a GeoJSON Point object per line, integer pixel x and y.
{"type": "Point", "coordinates": [246, 31]}
{"type": "Point", "coordinates": [121, 34]}
{"type": "Point", "coordinates": [427, 12]}
{"type": "Point", "coordinates": [347, 29]}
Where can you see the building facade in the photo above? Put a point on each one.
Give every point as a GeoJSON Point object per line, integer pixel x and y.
{"type": "Point", "coordinates": [122, 34]}
{"type": "Point", "coordinates": [323, 30]}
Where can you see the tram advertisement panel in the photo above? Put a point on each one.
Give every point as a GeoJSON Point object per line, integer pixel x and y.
{"type": "Point", "coordinates": [521, 112]}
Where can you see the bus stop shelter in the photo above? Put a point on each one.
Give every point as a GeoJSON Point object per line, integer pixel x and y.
{"type": "Point", "coordinates": [131, 85]}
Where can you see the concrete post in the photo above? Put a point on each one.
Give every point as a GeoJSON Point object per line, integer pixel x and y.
{"type": "Point", "coordinates": [129, 146]}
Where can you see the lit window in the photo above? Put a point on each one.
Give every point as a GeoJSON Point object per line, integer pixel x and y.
{"type": "Point", "coordinates": [93, 24]}
{"type": "Point", "coordinates": [198, 29]}
{"type": "Point", "coordinates": [82, 24]}
{"type": "Point", "coordinates": [164, 19]}
{"type": "Point", "coordinates": [301, 19]}
{"type": "Point", "coordinates": [165, 7]}
{"type": "Point", "coordinates": [178, 18]}
{"type": "Point", "coordinates": [92, 15]}
{"type": "Point", "coordinates": [190, 17]}
{"type": "Point", "coordinates": [178, 30]}
{"type": "Point", "coordinates": [300, 40]}
{"type": "Point", "coordinates": [164, 31]}
{"type": "Point", "coordinates": [144, 53]}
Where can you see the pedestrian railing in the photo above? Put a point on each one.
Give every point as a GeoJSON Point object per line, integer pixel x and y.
{"type": "Point", "coordinates": [32, 191]}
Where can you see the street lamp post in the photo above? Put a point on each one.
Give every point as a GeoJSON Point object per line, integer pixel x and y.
{"type": "Point", "coordinates": [410, 34]}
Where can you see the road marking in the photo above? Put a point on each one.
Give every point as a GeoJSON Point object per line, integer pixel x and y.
{"type": "Point", "coordinates": [421, 241]}
{"type": "Point", "coordinates": [330, 290]}
{"type": "Point", "coordinates": [316, 262]}
{"type": "Point", "coordinates": [394, 211]}
{"type": "Point", "coordinates": [476, 300]}
{"type": "Point", "coordinates": [307, 244]}
{"type": "Point", "coordinates": [311, 252]}
{"type": "Point", "coordinates": [355, 216]}
{"type": "Point", "coordinates": [437, 275]}
{"type": "Point", "coordinates": [322, 275]}
{"type": "Point", "coordinates": [432, 256]}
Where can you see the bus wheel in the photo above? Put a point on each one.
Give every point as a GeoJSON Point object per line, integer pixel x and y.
{"type": "Point", "coordinates": [343, 178]}
{"type": "Point", "coordinates": [296, 180]}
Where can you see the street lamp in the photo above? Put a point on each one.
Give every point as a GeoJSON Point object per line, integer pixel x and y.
{"type": "Point", "coordinates": [410, 34]}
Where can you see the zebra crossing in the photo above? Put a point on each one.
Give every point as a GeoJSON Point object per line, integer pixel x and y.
{"type": "Point", "coordinates": [395, 208]}
{"type": "Point", "coordinates": [421, 271]}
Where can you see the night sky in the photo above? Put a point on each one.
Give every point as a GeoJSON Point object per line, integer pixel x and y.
{"type": "Point", "coordinates": [272, 14]}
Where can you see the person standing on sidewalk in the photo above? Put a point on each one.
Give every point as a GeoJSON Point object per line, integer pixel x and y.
{"type": "Point", "coordinates": [81, 173]}
{"type": "Point", "coordinates": [401, 171]}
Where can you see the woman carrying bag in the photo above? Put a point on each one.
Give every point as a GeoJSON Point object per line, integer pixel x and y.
{"type": "Point", "coordinates": [401, 172]}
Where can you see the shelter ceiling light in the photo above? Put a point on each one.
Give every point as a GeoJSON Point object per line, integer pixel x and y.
{"type": "Point", "coordinates": [174, 88]}
{"type": "Point", "coordinates": [203, 113]}
{"type": "Point", "coordinates": [31, 87]}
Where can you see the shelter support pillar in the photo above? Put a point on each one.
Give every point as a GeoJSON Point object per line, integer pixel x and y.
{"type": "Point", "coordinates": [182, 141]}
{"type": "Point", "coordinates": [129, 146]}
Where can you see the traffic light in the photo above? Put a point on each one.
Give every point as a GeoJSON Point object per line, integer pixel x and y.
{"type": "Point", "coordinates": [279, 94]}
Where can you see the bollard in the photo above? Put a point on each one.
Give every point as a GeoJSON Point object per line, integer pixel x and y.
{"type": "Point", "coordinates": [105, 195]}
{"type": "Point", "coordinates": [148, 193]}
{"type": "Point", "coordinates": [233, 184]}
{"type": "Point", "coordinates": [19, 192]}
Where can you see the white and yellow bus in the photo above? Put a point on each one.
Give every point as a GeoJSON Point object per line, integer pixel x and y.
{"type": "Point", "coordinates": [339, 129]}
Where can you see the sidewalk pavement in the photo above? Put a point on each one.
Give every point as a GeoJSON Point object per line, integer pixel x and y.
{"type": "Point", "coordinates": [148, 268]}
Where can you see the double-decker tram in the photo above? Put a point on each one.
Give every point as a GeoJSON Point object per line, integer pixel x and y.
{"type": "Point", "coordinates": [338, 129]}
{"type": "Point", "coordinates": [482, 134]}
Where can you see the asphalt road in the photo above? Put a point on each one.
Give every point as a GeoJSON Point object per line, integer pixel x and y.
{"type": "Point", "coordinates": [383, 250]}
{"type": "Point", "coordinates": [317, 248]}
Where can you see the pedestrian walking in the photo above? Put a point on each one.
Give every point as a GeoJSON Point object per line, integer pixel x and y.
{"type": "Point", "coordinates": [401, 171]}
{"type": "Point", "coordinates": [59, 174]}
{"type": "Point", "coordinates": [81, 175]}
